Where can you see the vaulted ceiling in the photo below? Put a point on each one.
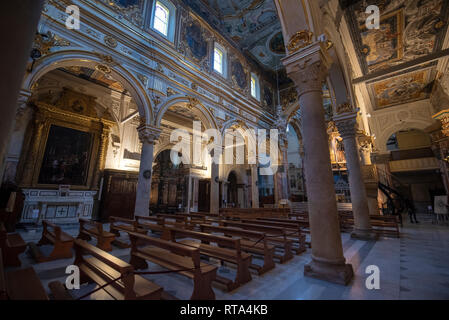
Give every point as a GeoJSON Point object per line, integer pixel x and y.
{"type": "Point", "coordinates": [253, 25]}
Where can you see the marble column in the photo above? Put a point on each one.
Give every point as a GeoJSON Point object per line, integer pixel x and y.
{"type": "Point", "coordinates": [254, 187]}
{"type": "Point", "coordinates": [308, 69]}
{"type": "Point", "coordinates": [346, 123]}
{"type": "Point", "coordinates": [214, 189]}
{"type": "Point", "coordinates": [18, 23]}
{"type": "Point", "coordinates": [147, 135]}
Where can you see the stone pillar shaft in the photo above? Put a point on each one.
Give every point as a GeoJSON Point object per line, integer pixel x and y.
{"type": "Point", "coordinates": [214, 189]}
{"type": "Point", "coordinates": [346, 126]}
{"type": "Point", "coordinates": [147, 136]}
{"type": "Point", "coordinates": [308, 68]}
{"type": "Point", "coordinates": [254, 187]}
{"type": "Point", "coordinates": [18, 23]}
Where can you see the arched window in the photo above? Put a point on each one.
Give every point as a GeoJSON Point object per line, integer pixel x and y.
{"type": "Point", "coordinates": [220, 58]}
{"type": "Point", "coordinates": [163, 18]}
{"type": "Point", "coordinates": [255, 87]}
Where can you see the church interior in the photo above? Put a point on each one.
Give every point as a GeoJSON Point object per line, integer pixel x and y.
{"type": "Point", "coordinates": [97, 202]}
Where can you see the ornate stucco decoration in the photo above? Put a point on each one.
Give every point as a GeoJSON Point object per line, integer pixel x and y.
{"type": "Point", "coordinates": [148, 134]}
{"type": "Point", "coordinates": [193, 102]}
{"type": "Point", "coordinates": [106, 59]}
{"type": "Point", "coordinates": [44, 42]}
{"type": "Point", "coordinates": [299, 40]}
{"type": "Point", "coordinates": [345, 108]}
{"type": "Point", "coordinates": [170, 92]}
{"type": "Point", "coordinates": [103, 68]}
{"type": "Point", "coordinates": [110, 41]}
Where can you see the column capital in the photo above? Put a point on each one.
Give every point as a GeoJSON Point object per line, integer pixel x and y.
{"type": "Point", "coordinates": [148, 134]}
{"type": "Point", "coordinates": [308, 67]}
{"type": "Point", "coordinates": [346, 123]}
{"type": "Point", "coordinates": [443, 116]}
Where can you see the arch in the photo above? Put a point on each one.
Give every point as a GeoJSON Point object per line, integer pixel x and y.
{"type": "Point", "coordinates": [241, 127]}
{"type": "Point", "coordinates": [381, 141]}
{"type": "Point", "coordinates": [88, 59]}
{"type": "Point", "coordinates": [203, 113]}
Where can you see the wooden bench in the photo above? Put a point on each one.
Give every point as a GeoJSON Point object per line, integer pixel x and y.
{"type": "Point", "coordinates": [250, 213]}
{"type": "Point", "coordinates": [53, 235]}
{"type": "Point", "coordinates": [22, 284]}
{"type": "Point", "coordinates": [12, 245]}
{"type": "Point", "coordinates": [102, 267]}
{"type": "Point", "coordinates": [276, 236]}
{"type": "Point", "coordinates": [118, 224]}
{"type": "Point", "coordinates": [293, 232]}
{"type": "Point", "coordinates": [251, 242]}
{"type": "Point", "coordinates": [104, 238]}
{"type": "Point", "coordinates": [226, 249]}
{"type": "Point", "coordinates": [175, 257]}
{"type": "Point", "coordinates": [382, 225]}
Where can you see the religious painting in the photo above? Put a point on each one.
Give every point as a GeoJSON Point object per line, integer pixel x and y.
{"type": "Point", "coordinates": [127, 3]}
{"type": "Point", "coordinates": [195, 41]}
{"type": "Point", "coordinates": [401, 89]}
{"type": "Point", "coordinates": [277, 44]}
{"type": "Point", "coordinates": [268, 96]}
{"type": "Point", "coordinates": [238, 74]}
{"type": "Point", "coordinates": [66, 157]}
{"type": "Point", "coordinates": [385, 44]}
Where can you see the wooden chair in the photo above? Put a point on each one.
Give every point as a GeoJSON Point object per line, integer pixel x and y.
{"type": "Point", "coordinates": [102, 267]}
{"type": "Point", "coordinates": [11, 245]}
{"type": "Point", "coordinates": [226, 249]}
{"type": "Point", "coordinates": [251, 242]}
{"type": "Point", "coordinates": [61, 241]}
{"type": "Point", "coordinates": [174, 256]}
{"type": "Point", "coordinates": [104, 238]}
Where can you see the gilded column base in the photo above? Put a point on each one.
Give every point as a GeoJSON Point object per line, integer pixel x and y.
{"type": "Point", "coordinates": [336, 273]}
{"type": "Point", "coordinates": [365, 235]}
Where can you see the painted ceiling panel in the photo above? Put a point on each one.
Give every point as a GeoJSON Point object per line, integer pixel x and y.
{"type": "Point", "coordinates": [409, 29]}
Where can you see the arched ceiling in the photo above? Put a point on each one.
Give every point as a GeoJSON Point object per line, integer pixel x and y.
{"type": "Point", "coordinates": [253, 25]}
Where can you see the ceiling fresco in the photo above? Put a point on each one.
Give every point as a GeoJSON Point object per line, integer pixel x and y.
{"type": "Point", "coordinates": [253, 25]}
{"type": "Point", "coordinates": [402, 88]}
{"type": "Point", "coordinates": [409, 29]}
{"type": "Point", "coordinates": [95, 76]}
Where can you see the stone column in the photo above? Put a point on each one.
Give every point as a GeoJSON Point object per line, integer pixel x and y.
{"type": "Point", "coordinates": [254, 186]}
{"type": "Point", "coordinates": [147, 135]}
{"type": "Point", "coordinates": [18, 23]}
{"type": "Point", "coordinates": [214, 188]}
{"type": "Point", "coordinates": [189, 193]}
{"type": "Point", "coordinates": [346, 123]}
{"type": "Point", "coordinates": [369, 173]}
{"type": "Point", "coordinates": [308, 68]}
{"type": "Point", "coordinates": [23, 117]}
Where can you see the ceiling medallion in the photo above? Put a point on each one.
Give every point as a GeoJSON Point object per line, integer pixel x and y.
{"type": "Point", "coordinates": [103, 68]}
{"type": "Point", "coordinates": [299, 40]}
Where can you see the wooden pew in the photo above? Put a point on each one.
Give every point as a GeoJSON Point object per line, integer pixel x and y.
{"type": "Point", "coordinates": [118, 224]}
{"type": "Point", "coordinates": [227, 249]}
{"type": "Point", "coordinates": [276, 236]}
{"type": "Point", "coordinates": [154, 225]}
{"type": "Point", "coordinates": [104, 238]}
{"type": "Point", "coordinates": [175, 257]}
{"type": "Point", "coordinates": [293, 232]}
{"type": "Point", "coordinates": [22, 284]}
{"type": "Point", "coordinates": [102, 267]}
{"type": "Point", "coordinates": [251, 242]}
{"type": "Point", "coordinates": [382, 225]}
{"type": "Point", "coordinates": [11, 245]}
{"type": "Point", "coordinates": [253, 213]}
{"type": "Point", "coordinates": [53, 235]}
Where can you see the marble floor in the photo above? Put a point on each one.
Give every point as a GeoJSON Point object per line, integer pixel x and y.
{"type": "Point", "coordinates": [416, 266]}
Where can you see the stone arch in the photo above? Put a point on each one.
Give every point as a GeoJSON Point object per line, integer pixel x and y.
{"type": "Point", "coordinates": [196, 106]}
{"type": "Point", "coordinates": [241, 127]}
{"type": "Point", "coordinates": [90, 60]}
{"type": "Point", "coordinates": [381, 141]}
